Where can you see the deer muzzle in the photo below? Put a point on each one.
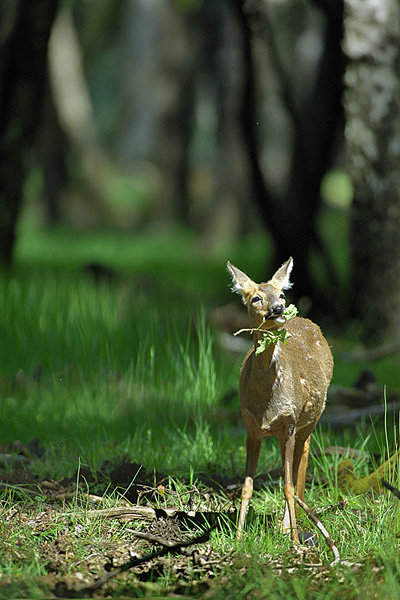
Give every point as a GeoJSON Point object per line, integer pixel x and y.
{"type": "Point", "coordinates": [275, 311]}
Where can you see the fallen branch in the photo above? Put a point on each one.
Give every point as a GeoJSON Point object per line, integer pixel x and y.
{"type": "Point", "coordinates": [342, 450]}
{"type": "Point", "coordinates": [372, 354]}
{"type": "Point", "coordinates": [155, 539]}
{"type": "Point", "coordinates": [10, 459]}
{"type": "Point", "coordinates": [388, 486]}
{"type": "Point", "coordinates": [313, 517]}
{"type": "Point", "coordinates": [201, 518]}
{"type": "Point", "coordinates": [356, 397]}
{"type": "Point", "coordinates": [348, 418]}
{"type": "Point", "coordinates": [134, 512]}
{"type": "Point", "coordinates": [170, 548]}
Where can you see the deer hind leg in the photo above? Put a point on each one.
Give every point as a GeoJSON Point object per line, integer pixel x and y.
{"type": "Point", "coordinates": [287, 451]}
{"type": "Point", "coordinates": [253, 445]}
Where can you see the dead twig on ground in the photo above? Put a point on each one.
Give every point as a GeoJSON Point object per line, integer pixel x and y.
{"type": "Point", "coordinates": [348, 418]}
{"type": "Point", "coordinates": [150, 537]}
{"type": "Point", "coordinates": [388, 486]}
{"type": "Point", "coordinates": [371, 354]}
{"type": "Point", "coordinates": [313, 517]}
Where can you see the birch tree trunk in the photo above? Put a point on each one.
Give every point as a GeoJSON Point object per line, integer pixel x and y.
{"type": "Point", "coordinates": [372, 105]}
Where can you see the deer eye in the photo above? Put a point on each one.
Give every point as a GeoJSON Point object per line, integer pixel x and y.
{"type": "Point", "coordinates": [256, 299]}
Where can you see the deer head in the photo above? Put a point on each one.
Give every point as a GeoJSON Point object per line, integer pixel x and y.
{"type": "Point", "coordinates": [265, 302]}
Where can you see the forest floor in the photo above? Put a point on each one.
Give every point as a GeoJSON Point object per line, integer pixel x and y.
{"type": "Point", "coordinates": [82, 538]}
{"type": "Point", "coordinates": [128, 532]}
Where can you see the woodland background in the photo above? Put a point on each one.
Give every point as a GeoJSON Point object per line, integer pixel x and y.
{"type": "Point", "coordinates": [221, 117]}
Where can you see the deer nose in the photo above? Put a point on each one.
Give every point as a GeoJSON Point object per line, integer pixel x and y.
{"type": "Point", "coordinates": [277, 309]}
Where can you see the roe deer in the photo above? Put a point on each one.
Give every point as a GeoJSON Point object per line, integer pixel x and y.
{"type": "Point", "coordinates": [282, 389]}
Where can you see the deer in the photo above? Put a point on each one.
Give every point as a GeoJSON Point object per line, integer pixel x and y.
{"type": "Point", "coordinates": [282, 389]}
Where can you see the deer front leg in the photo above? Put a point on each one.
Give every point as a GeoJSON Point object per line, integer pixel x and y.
{"type": "Point", "coordinates": [253, 446]}
{"type": "Point", "coordinates": [302, 469]}
{"type": "Point", "coordinates": [287, 451]}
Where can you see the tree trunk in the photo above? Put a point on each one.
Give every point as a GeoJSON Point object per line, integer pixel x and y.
{"type": "Point", "coordinates": [312, 155]}
{"type": "Point", "coordinates": [372, 103]}
{"type": "Point", "coordinates": [23, 82]}
{"type": "Point", "coordinates": [175, 95]}
{"type": "Point", "coordinates": [290, 216]}
{"type": "Point", "coordinates": [52, 151]}
{"type": "Point", "coordinates": [73, 105]}
{"type": "Point", "coordinates": [227, 215]}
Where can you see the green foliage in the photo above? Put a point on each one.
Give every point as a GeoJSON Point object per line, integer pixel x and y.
{"type": "Point", "coordinates": [337, 189]}
{"type": "Point", "coordinates": [277, 335]}
{"type": "Point", "coordinates": [290, 312]}
{"type": "Point", "coordinates": [272, 337]}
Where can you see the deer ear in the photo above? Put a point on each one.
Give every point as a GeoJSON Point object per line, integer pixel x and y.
{"type": "Point", "coordinates": [281, 278]}
{"type": "Point", "coordinates": [241, 283]}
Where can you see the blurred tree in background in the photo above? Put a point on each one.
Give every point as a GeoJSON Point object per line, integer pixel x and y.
{"type": "Point", "coordinates": [201, 73]}
{"type": "Point", "coordinates": [24, 34]}
{"type": "Point", "coordinates": [372, 101]}
{"type": "Point", "coordinates": [222, 117]}
{"type": "Point", "coordinates": [314, 113]}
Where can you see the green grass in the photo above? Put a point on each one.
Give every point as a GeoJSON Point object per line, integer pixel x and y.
{"type": "Point", "coordinates": [177, 259]}
{"type": "Point", "coordinates": [128, 367]}
{"type": "Point", "coordinates": [94, 364]}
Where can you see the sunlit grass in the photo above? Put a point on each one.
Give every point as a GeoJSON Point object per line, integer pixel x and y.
{"type": "Point", "coordinates": [101, 370]}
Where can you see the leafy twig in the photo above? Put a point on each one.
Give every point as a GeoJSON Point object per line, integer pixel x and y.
{"type": "Point", "coordinates": [289, 312]}
{"type": "Point", "coordinates": [250, 329]}
{"type": "Point", "coordinates": [272, 336]}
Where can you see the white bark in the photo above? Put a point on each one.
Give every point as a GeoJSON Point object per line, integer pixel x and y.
{"type": "Point", "coordinates": [372, 105]}
{"type": "Point", "coordinates": [73, 103]}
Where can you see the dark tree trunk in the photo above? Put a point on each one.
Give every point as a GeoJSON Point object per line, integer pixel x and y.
{"type": "Point", "coordinates": [52, 148]}
{"type": "Point", "coordinates": [178, 54]}
{"type": "Point", "coordinates": [227, 216]}
{"type": "Point", "coordinates": [372, 101]}
{"type": "Point", "coordinates": [312, 152]}
{"type": "Point", "coordinates": [23, 83]}
{"type": "Point", "coordinates": [291, 216]}
{"type": "Point", "coordinates": [265, 201]}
